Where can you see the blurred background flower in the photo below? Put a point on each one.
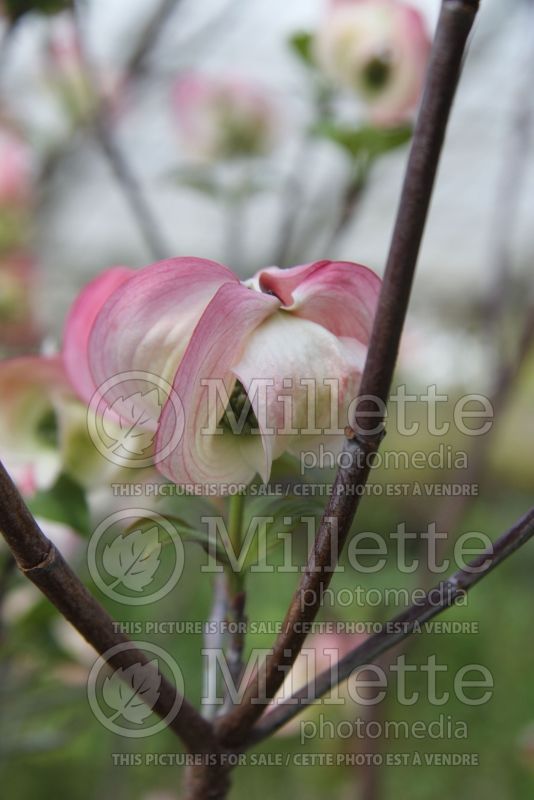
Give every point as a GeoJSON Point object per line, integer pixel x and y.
{"type": "Point", "coordinates": [379, 49]}
{"type": "Point", "coordinates": [222, 118]}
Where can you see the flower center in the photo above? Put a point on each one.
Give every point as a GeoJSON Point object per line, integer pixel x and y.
{"type": "Point", "coordinates": [47, 429]}
{"type": "Point", "coordinates": [239, 416]}
{"type": "Point", "coordinates": [377, 73]}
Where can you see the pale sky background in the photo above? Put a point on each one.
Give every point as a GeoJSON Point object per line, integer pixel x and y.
{"type": "Point", "coordinates": [88, 225]}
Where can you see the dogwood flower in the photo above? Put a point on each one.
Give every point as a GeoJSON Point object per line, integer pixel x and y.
{"type": "Point", "coordinates": [379, 49]}
{"type": "Point", "coordinates": [67, 75]}
{"type": "Point", "coordinates": [43, 428]}
{"type": "Point", "coordinates": [46, 447]}
{"type": "Point", "coordinates": [221, 118]}
{"type": "Point", "coordinates": [257, 368]}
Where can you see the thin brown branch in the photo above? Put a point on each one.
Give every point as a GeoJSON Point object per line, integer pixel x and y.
{"type": "Point", "coordinates": [352, 197]}
{"type": "Point", "coordinates": [511, 184]}
{"type": "Point", "coordinates": [236, 597]}
{"type": "Point", "coordinates": [130, 185]}
{"type": "Point", "coordinates": [500, 262]}
{"type": "Point", "coordinates": [293, 196]}
{"type": "Point", "coordinates": [452, 510]}
{"type": "Point", "coordinates": [42, 563]}
{"type": "Point", "coordinates": [137, 63]}
{"type": "Point", "coordinates": [124, 173]}
{"type": "Point", "coordinates": [213, 640]}
{"type": "Point", "coordinates": [402, 626]}
{"type": "Point", "coordinates": [212, 30]}
{"type": "Point", "coordinates": [6, 39]}
{"type": "Point", "coordinates": [455, 23]}
{"type": "Point", "coordinates": [371, 774]}
{"type": "Point", "coordinates": [236, 646]}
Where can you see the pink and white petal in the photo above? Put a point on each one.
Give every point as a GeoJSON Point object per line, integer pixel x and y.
{"type": "Point", "coordinates": [411, 45]}
{"type": "Point", "coordinates": [217, 344]}
{"type": "Point", "coordinates": [318, 371]}
{"type": "Point", "coordinates": [79, 323]}
{"type": "Point", "coordinates": [145, 328]}
{"type": "Point", "coordinates": [80, 459]}
{"type": "Point", "coordinates": [31, 389]}
{"type": "Point", "coordinates": [339, 295]}
{"type": "Point", "coordinates": [43, 427]}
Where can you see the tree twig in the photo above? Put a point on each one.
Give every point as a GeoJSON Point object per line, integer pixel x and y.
{"type": "Point", "coordinates": [119, 163]}
{"type": "Point", "coordinates": [293, 196]}
{"type": "Point", "coordinates": [6, 39]}
{"type": "Point", "coordinates": [400, 627]}
{"type": "Point", "coordinates": [137, 63]}
{"type": "Point", "coordinates": [212, 30]}
{"type": "Point", "coordinates": [213, 640]}
{"type": "Point", "coordinates": [508, 367]}
{"type": "Point", "coordinates": [236, 596]}
{"type": "Point", "coordinates": [42, 563]}
{"type": "Point", "coordinates": [456, 20]}
{"type": "Point", "coordinates": [449, 514]}
{"type": "Point", "coordinates": [352, 197]}
{"type": "Point", "coordinates": [131, 187]}
{"type": "Point", "coordinates": [511, 184]}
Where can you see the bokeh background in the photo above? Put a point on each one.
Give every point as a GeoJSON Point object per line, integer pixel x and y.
{"type": "Point", "coordinates": [466, 334]}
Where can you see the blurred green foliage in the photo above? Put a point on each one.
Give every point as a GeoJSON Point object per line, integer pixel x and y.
{"type": "Point", "coordinates": [15, 9]}
{"type": "Point", "coordinates": [54, 745]}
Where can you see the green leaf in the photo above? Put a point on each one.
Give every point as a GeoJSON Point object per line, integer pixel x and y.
{"type": "Point", "coordinates": [302, 45]}
{"type": "Point", "coordinates": [366, 141]}
{"type": "Point", "coordinates": [65, 502]}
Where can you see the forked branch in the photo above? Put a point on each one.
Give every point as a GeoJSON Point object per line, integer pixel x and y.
{"type": "Point", "coordinates": [400, 627]}
{"type": "Point", "coordinates": [454, 26]}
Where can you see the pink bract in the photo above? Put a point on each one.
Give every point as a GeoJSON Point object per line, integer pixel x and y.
{"type": "Point", "coordinates": [196, 326]}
